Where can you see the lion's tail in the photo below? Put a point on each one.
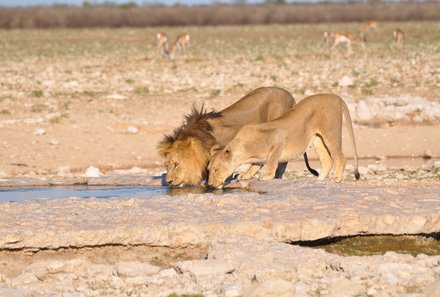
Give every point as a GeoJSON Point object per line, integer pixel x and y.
{"type": "Point", "coordinates": [349, 125]}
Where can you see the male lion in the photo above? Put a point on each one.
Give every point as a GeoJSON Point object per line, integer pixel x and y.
{"type": "Point", "coordinates": [316, 119]}
{"type": "Point", "coordinates": [187, 152]}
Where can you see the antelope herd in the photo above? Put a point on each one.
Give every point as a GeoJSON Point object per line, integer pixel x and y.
{"type": "Point", "coordinates": [180, 45]}
{"type": "Point", "coordinates": [329, 40]}
{"type": "Point", "coordinates": [333, 39]}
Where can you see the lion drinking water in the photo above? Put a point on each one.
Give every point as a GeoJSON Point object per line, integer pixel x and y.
{"type": "Point", "coordinates": [316, 119]}
{"type": "Point", "coordinates": [187, 152]}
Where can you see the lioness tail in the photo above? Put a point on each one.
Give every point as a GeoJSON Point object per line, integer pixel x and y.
{"type": "Point", "coordinates": [349, 125]}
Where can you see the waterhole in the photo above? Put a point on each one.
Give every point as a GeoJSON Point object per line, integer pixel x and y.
{"type": "Point", "coordinates": [86, 191]}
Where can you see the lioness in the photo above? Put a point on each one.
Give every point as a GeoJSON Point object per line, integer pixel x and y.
{"type": "Point", "coordinates": [186, 153]}
{"type": "Point", "coordinates": [316, 119]}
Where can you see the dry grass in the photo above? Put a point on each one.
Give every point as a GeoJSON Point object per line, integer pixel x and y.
{"type": "Point", "coordinates": [129, 16]}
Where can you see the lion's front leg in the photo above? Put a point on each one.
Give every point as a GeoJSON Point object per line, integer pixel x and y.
{"type": "Point", "coordinates": [250, 173]}
{"type": "Point", "coordinates": [279, 137]}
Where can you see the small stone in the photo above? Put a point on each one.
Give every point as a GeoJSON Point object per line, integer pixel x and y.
{"type": "Point", "coordinates": [39, 131]}
{"type": "Point", "coordinates": [132, 129]}
{"type": "Point", "coordinates": [116, 97]}
{"type": "Point", "coordinates": [346, 81]}
{"type": "Point", "coordinates": [54, 142]}
{"type": "Point", "coordinates": [92, 172]}
{"type": "Point", "coordinates": [135, 269]}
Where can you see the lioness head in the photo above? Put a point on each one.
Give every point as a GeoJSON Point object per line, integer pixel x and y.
{"type": "Point", "coordinates": [221, 165]}
{"type": "Point", "coordinates": [185, 161]}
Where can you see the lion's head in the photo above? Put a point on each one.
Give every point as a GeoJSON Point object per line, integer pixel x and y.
{"type": "Point", "coordinates": [221, 166]}
{"type": "Point", "coordinates": [186, 153]}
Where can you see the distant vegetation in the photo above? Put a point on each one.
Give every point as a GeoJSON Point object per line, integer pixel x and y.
{"type": "Point", "coordinates": [131, 15]}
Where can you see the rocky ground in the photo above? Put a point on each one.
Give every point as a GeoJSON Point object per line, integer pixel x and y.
{"type": "Point", "coordinates": [235, 244]}
{"type": "Point", "coordinates": [89, 107]}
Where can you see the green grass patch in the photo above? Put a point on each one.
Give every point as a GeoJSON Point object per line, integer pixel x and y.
{"type": "Point", "coordinates": [379, 245]}
{"type": "Point", "coordinates": [37, 93]}
{"type": "Point", "coordinates": [58, 119]}
{"type": "Point", "coordinates": [142, 91]}
{"type": "Point", "coordinates": [4, 112]}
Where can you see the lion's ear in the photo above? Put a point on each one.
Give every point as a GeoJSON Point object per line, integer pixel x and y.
{"type": "Point", "coordinates": [214, 149]}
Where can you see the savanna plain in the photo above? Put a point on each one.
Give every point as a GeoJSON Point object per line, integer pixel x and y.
{"type": "Point", "coordinates": [72, 99]}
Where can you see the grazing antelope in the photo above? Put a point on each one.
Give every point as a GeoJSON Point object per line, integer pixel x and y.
{"type": "Point", "coordinates": [182, 41]}
{"type": "Point", "coordinates": [398, 39]}
{"type": "Point", "coordinates": [342, 37]}
{"type": "Point", "coordinates": [326, 36]}
{"type": "Point", "coordinates": [162, 44]}
{"type": "Point", "coordinates": [368, 26]}
{"type": "Point", "coordinates": [181, 44]}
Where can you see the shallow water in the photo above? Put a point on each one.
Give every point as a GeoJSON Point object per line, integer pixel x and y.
{"type": "Point", "coordinates": [86, 191]}
{"type": "Point", "coordinates": [81, 191]}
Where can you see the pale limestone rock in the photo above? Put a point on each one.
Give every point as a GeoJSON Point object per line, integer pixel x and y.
{"type": "Point", "coordinates": [136, 280]}
{"type": "Point", "coordinates": [170, 272]}
{"type": "Point", "coordinates": [205, 267]}
{"type": "Point", "coordinates": [25, 278]}
{"type": "Point", "coordinates": [346, 288]}
{"type": "Point", "coordinates": [92, 171]}
{"type": "Point", "coordinates": [346, 81]}
{"type": "Point", "coordinates": [433, 290]}
{"type": "Point", "coordinates": [271, 288]}
{"type": "Point", "coordinates": [94, 270]}
{"type": "Point", "coordinates": [231, 290]}
{"type": "Point", "coordinates": [39, 131]}
{"type": "Point", "coordinates": [54, 141]}
{"type": "Point", "coordinates": [135, 269]}
{"type": "Point", "coordinates": [396, 273]}
{"type": "Point", "coordinates": [116, 97]}
{"type": "Point", "coordinates": [132, 129]}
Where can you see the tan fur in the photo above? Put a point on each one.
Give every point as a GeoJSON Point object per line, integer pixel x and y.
{"type": "Point", "coordinates": [186, 153]}
{"type": "Point", "coordinates": [398, 39]}
{"type": "Point", "coordinates": [316, 119]}
{"type": "Point", "coordinates": [162, 44]}
{"type": "Point", "coordinates": [340, 37]}
{"type": "Point", "coordinates": [368, 26]}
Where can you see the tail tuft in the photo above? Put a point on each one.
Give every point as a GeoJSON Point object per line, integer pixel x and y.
{"type": "Point", "coordinates": [357, 175]}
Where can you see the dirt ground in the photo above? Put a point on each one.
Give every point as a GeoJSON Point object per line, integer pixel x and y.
{"type": "Point", "coordinates": [70, 99]}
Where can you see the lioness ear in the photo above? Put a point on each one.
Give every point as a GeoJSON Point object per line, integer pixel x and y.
{"type": "Point", "coordinates": [215, 148]}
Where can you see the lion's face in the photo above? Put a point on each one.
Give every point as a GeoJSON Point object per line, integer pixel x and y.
{"type": "Point", "coordinates": [220, 167]}
{"type": "Point", "coordinates": [185, 162]}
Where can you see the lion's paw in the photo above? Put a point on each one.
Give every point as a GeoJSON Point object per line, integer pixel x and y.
{"type": "Point", "coordinates": [266, 177]}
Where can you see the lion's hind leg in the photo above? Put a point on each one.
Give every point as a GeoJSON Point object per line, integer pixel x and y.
{"type": "Point", "coordinates": [324, 157]}
{"type": "Point", "coordinates": [279, 138]}
{"type": "Point", "coordinates": [335, 150]}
